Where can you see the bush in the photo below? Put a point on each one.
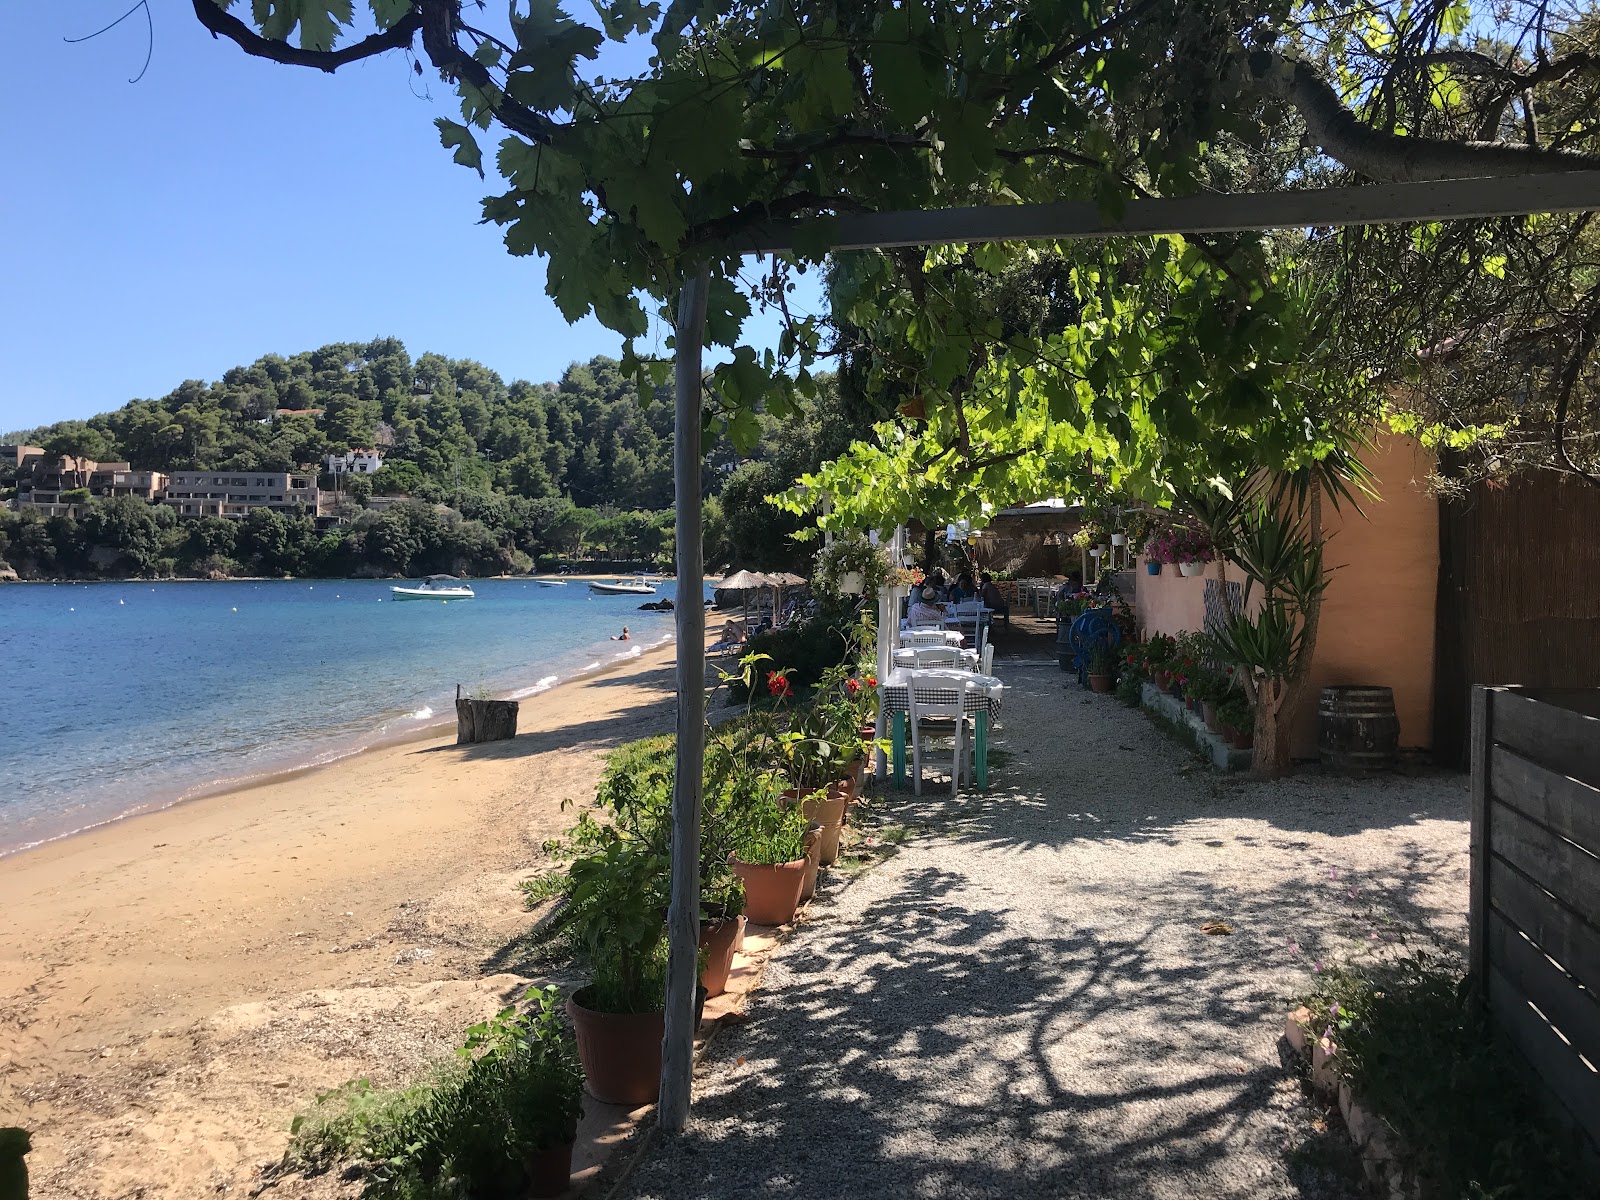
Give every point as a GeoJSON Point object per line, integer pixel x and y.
{"type": "Point", "coordinates": [469, 1129]}
{"type": "Point", "coordinates": [805, 649]}
{"type": "Point", "coordinates": [1420, 1051]}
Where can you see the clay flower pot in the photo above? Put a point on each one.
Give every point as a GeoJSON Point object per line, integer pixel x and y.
{"type": "Point", "coordinates": [719, 939]}
{"type": "Point", "coordinates": [813, 860]}
{"type": "Point", "coordinates": [550, 1171]}
{"type": "Point", "coordinates": [1161, 679]}
{"type": "Point", "coordinates": [1242, 739]}
{"type": "Point", "coordinates": [1208, 713]}
{"type": "Point", "coordinates": [771, 892]}
{"type": "Point", "coordinates": [825, 809]}
{"type": "Point", "coordinates": [1099, 683]}
{"type": "Point", "coordinates": [620, 1052]}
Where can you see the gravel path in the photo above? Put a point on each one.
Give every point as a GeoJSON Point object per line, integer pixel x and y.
{"type": "Point", "coordinates": [1021, 1001]}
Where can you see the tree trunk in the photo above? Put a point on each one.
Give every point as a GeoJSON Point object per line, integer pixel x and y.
{"type": "Point", "coordinates": [485, 720]}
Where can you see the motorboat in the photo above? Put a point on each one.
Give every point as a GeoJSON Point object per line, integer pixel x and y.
{"type": "Point", "coordinates": [623, 587]}
{"type": "Point", "coordinates": [435, 587]}
{"type": "Point", "coordinates": [550, 582]}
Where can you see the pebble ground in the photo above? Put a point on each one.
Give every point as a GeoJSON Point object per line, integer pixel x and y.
{"type": "Point", "coordinates": [1022, 1002]}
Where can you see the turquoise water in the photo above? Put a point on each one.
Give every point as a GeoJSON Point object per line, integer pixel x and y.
{"type": "Point", "coordinates": [127, 696]}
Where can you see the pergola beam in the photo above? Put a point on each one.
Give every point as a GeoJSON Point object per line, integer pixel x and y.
{"type": "Point", "coordinates": [1208, 212]}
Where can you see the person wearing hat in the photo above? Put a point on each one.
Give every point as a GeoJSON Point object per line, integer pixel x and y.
{"type": "Point", "coordinates": [925, 611]}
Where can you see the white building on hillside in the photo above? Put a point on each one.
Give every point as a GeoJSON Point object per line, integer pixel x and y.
{"type": "Point", "coordinates": [353, 462]}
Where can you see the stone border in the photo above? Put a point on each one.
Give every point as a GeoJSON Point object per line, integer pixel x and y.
{"type": "Point", "coordinates": [1222, 755]}
{"type": "Point", "coordinates": [1381, 1150]}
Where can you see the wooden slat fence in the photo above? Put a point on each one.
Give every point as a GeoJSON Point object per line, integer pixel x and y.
{"type": "Point", "coordinates": [1535, 902]}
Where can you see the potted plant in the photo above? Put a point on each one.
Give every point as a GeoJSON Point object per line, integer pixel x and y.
{"type": "Point", "coordinates": [769, 854]}
{"type": "Point", "coordinates": [1238, 720]}
{"type": "Point", "coordinates": [1090, 536]}
{"type": "Point", "coordinates": [614, 921]}
{"type": "Point", "coordinates": [1102, 667]}
{"type": "Point", "coordinates": [1159, 651]}
{"type": "Point", "coordinates": [852, 566]}
{"type": "Point", "coordinates": [533, 1063]}
{"type": "Point", "coordinates": [1184, 543]}
{"type": "Point", "coordinates": [503, 1127]}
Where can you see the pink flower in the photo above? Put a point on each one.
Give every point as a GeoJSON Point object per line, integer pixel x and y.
{"type": "Point", "coordinates": [1317, 966]}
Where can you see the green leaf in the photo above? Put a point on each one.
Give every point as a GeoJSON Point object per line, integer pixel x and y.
{"type": "Point", "coordinates": [453, 134]}
{"type": "Point", "coordinates": [387, 12]}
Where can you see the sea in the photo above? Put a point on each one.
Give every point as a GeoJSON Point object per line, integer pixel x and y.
{"type": "Point", "coordinates": [124, 697]}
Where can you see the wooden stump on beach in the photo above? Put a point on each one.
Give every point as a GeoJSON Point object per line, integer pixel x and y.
{"type": "Point", "coordinates": [484, 720]}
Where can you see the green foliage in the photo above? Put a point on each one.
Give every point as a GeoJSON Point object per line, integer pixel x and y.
{"type": "Point", "coordinates": [805, 649]}
{"type": "Point", "coordinates": [1421, 1052]}
{"type": "Point", "coordinates": [850, 554]}
{"type": "Point", "coordinates": [770, 831]}
{"type": "Point", "coordinates": [470, 1127]}
{"type": "Point", "coordinates": [613, 921]}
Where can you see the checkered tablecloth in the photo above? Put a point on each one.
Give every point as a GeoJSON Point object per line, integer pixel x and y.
{"type": "Point", "coordinates": [942, 685]}
{"type": "Point", "coordinates": [907, 656]}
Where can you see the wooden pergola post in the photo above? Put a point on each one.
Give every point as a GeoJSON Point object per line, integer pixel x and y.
{"type": "Point", "coordinates": [683, 913]}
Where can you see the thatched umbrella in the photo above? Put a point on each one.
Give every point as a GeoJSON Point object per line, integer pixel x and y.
{"type": "Point", "coordinates": [781, 580]}
{"type": "Point", "coordinates": [745, 582]}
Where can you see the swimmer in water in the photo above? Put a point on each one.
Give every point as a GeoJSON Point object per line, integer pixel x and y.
{"type": "Point", "coordinates": [624, 636]}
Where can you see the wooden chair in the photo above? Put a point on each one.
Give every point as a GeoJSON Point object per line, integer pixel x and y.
{"type": "Point", "coordinates": [936, 656]}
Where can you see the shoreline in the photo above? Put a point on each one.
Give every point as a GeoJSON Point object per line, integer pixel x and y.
{"type": "Point", "coordinates": [541, 576]}
{"type": "Point", "coordinates": [329, 757]}
{"type": "Point", "coordinates": [176, 985]}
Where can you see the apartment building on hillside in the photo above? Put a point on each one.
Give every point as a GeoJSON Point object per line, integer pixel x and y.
{"type": "Point", "coordinates": [236, 493]}
{"type": "Point", "coordinates": [47, 479]}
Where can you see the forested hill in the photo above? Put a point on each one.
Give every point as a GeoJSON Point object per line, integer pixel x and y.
{"type": "Point", "coordinates": [579, 467]}
{"type": "Point", "coordinates": [587, 438]}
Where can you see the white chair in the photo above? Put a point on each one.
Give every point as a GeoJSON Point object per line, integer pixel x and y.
{"type": "Point", "coordinates": [924, 637]}
{"type": "Point", "coordinates": [932, 718]}
{"type": "Point", "coordinates": [986, 660]}
{"type": "Point", "coordinates": [936, 656]}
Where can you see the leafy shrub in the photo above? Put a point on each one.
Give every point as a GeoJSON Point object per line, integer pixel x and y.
{"type": "Point", "coordinates": [470, 1129]}
{"type": "Point", "coordinates": [804, 649]}
{"type": "Point", "coordinates": [1420, 1050]}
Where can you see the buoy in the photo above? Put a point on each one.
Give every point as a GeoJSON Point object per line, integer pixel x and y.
{"type": "Point", "coordinates": [72, 610]}
{"type": "Point", "coordinates": [121, 601]}
{"type": "Point", "coordinates": [236, 610]}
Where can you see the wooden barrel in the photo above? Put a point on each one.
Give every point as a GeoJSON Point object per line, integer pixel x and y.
{"type": "Point", "coordinates": [1357, 729]}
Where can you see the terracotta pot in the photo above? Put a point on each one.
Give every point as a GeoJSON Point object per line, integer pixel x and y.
{"type": "Point", "coordinates": [620, 1052]}
{"type": "Point", "coordinates": [828, 843]}
{"type": "Point", "coordinates": [827, 807]}
{"type": "Point", "coordinates": [719, 939]}
{"type": "Point", "coordinates": [1208, 713]}
{"type": "Point", "coordinates": [1161, 679]}
{"type": "Point", "coordinates": [550, 1171]}
{"type": "Point", "coordinates": [808, 885]}
{"type": "Point", "coordinates": [1242, 739]}
{"type": "Point", "coordinates": [1099, 683]}
{"type": "Point", "coordinates": [771, 892]}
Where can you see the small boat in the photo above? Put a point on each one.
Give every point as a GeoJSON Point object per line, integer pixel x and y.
{"type": "Point", "coordinates": [435, 587]}
{"type": "Point", "coordinates": [623, 587]}
{"type": "Point", "coordinates": [550, 582]}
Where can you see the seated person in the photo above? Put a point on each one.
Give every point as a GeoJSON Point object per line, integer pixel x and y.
{"type": "Point", "coordinates": [964, 589]}
{"type": "Point", "coordinates": [989, 593]}
{"type": "Point", "coordinates": [924, 611]}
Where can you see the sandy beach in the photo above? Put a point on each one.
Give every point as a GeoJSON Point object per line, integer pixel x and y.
{"type": "Point", "coordinates": [175, 986]}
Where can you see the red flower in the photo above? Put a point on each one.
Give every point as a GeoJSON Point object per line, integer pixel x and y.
{"type": "Point", "coordinates": [1230, 670]}
{"type": "Point", "coordinates": [872, 681]}
{"type": "Point", "coordinates": [1130, 658]}
{"type": "Point", "coordinates": [778, 684]}
{"type": "Point", "coordinates": [852, 686]}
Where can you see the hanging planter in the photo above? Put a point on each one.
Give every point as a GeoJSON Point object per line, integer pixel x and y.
{"type": "Point", "coordinates": [1153, 568]}
{"type": "Point", "coordinates": [851, 583]}
{"type": "Point", "coordinates": [1096, 551]}
{"type": "Point", "coordinates": [1191, 570]}
{"type": "Point", "coordinates": [1119, 539]}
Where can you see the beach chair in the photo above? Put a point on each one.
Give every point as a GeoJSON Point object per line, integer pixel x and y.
{"type": "Point", "coordinates": [733, 637]}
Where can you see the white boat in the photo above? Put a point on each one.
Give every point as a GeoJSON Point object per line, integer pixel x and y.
{"type": "Point", "coordinates": [550, 582]}
{"type": "Point", "coordinates": [623, 587]}
{"type": "Point", "coordinates": [435, 587]}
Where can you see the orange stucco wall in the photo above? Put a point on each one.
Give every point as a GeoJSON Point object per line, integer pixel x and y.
{"type": "Point", "coordinates": [1378, 614]}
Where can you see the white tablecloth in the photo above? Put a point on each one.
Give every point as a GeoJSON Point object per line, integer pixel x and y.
{"type": "Point", "coordinates": [942, 685]}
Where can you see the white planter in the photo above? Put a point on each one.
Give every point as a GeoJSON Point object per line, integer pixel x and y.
{"type": "Point", "coordinates": [1191, 570]}
{"type": "Point", "coordinates": [1119, 539]}
{"type": "Point", "coordinates": [851, 583]}
{"type": "Point", "coordinates": [1095, 552]}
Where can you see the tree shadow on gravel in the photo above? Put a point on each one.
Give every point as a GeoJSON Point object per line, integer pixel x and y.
{"type": "Point", "coordinates": [924, 1047]}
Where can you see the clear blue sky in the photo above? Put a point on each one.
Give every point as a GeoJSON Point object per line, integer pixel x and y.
{"type": "Point", "coordinates": [224, 207]}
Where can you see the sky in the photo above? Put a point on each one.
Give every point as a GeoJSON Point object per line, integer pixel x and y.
{"type": "Point", "coordinates": [224, 207]}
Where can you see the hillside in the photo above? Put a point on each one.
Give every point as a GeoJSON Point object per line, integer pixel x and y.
{"type": "Point", "coordinates": [503, 474]}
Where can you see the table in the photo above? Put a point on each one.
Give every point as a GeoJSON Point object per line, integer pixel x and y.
{"type": "Point", "coordinates": [980, 695]}
{"type": "Point", "coordinates": [907, 656]}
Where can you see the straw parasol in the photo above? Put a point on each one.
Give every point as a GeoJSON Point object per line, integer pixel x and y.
{"type": "Point", "coordinates": [745, 582]}
{"type": "Point", "coordinates": [781, 580]}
